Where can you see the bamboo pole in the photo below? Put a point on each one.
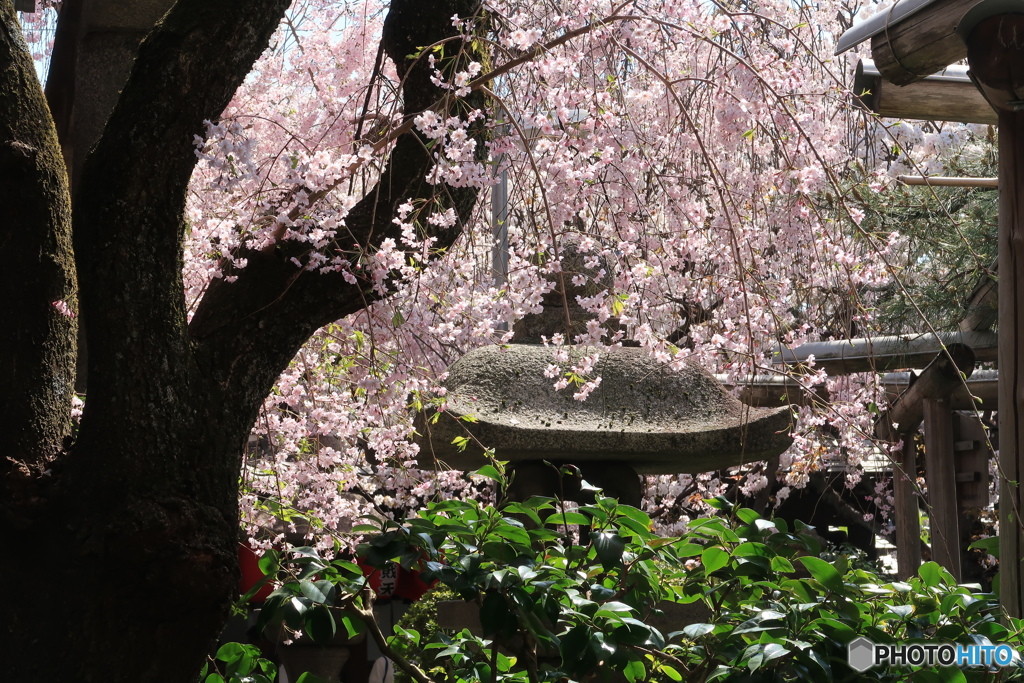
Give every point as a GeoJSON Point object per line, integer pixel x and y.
{"type": "Point", "coordinates": [948, 181]}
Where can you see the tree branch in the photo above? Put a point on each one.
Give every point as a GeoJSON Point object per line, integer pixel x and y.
{"type": "Point", "coordinates": [129, 220]}
{"type": "Point", "coordinates": [248, 330]}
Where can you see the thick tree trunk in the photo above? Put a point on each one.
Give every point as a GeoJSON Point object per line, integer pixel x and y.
{"type": "Point", "coordinates": [138, 523]}
{"type": "Point", "coordinates": [38, 270]}
{"type": "Point", "coordinates": [127, 543]}
{"type": "Point", "coordinates": [37, 340]}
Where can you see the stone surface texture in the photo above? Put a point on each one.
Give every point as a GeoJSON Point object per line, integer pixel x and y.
{"type": "Point", "coordinates": [643, 414]}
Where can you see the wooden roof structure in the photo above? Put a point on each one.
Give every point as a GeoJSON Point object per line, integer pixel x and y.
{"type": "Point", "coordinates": [910, 43]}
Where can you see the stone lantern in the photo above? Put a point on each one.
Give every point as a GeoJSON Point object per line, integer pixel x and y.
{"type": "Point", "coordinates": [644, 417]}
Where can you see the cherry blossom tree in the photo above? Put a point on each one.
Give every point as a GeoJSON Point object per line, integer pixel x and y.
{"type": "Point", "coordinates": [281, 226]}
{"type": "Point", "coordinates": [695, 155]}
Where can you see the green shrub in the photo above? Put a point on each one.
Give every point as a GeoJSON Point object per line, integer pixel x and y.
{"type": "Point", "coordinates": [555, 610]}
{"type": "Point", "coordinates": [421, 617]}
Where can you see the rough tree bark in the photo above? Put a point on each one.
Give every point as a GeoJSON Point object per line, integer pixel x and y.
{"type": "Point", "coordinates": [123, 542]}
{"type": "Point", "coordinates": [35, 240]}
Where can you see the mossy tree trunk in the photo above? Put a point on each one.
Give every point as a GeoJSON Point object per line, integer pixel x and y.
{"type": "Point", "coordinates": [121, 559]}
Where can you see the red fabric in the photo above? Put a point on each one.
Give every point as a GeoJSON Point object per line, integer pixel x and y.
{"type": "Point", "coordinates": [249, 563]}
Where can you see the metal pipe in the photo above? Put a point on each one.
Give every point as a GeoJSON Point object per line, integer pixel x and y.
{"type": "Point", "coordinates": [499, 227]}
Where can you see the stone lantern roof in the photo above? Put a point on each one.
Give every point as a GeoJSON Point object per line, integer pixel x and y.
{"type": "Point", "coordinates": [644, 415]}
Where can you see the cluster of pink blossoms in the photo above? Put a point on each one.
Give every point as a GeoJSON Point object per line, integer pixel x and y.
{"type": "Point", "coordinates": [700, 158]}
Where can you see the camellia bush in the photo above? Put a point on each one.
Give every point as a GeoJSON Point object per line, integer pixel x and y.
{"type": "Point", "coordinates": [573, 593]}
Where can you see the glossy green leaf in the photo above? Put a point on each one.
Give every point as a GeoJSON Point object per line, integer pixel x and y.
{"type": "Point", "coordinates": [313, 591]}
{"type": "Point", "coordinates": [635, 632]}
{"type": "Point", "coordinates": [410, 634]}
{"type": "Point", "coordinates": [229, 651]}
{"type": "Point", "coordinates": [930, 573]}
{"type": "Point", "coordinates": [634, 671]}
{"type": "Point", "coordinates": [713, 558]}
{"type": "Point", "coordinates": [761, 654]}
{"type": "Point", "coordinates": [491, 472]}
{"type": "Point", "coordinates": [635, 514]}
{"type": "Point", "coordinates": [746, 515]}
{"type": "Point", "coordinates": [820, 662]}
{"type": "Point", "coordinates": [575, 651]}
{"type": "Point", "coordinates": [670, 672]}
{"type": "Point", "coordinates": [900, 611]}
{"type": "Point", "coordinates": [310, 678]}
{"type": "Point", "coordinates": [694, 631]}
{"type": "Point", "coordinates": [615, 607]}
{"type": "Point", "coordinates": [688, 549]}
{"type": "Point", "coordinates": [782, 565]}
{"type": "Point", "coordinates": [609, 548]}
{"type": "Point", "coordinates": [989, 545]}
{"type": "Point", "coordinates": [835, 629]}
{"type": "Point", "coordinates": [823, 572]}
{"type": "Point", "coordinates": [568, 519]}
{"type": "Point", "coordinates": [269, 562]}
{"type": "Point", "coordinates": [353, 626]}
{"type": "Point", "coordinates": [320, 624]}
{"type": "Point", "coordinates": [514, 534]}
{"type": "Point", "coordinates": [751, 549]}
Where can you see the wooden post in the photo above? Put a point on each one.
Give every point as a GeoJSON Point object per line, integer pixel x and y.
{"type": "Point", "coordinates": [1011, 357]}
{"type": "Point", "coordinates": [996, 58]}
{"type": "Point", "coordinates": [940, 379]}
{"type": "Point", "coordinates": [908, 523]}
{"type": "Point", "coordinates": [972, 457]}
{"type": "Point", "coordinates": [940, 472]}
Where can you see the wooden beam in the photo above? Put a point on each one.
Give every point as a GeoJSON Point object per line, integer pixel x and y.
{"type": "Point", "coordinates": [921, 44]}
{"type": "Point", "coordinates": [939, 379]}
{"type": "Point", "coordinates": [876, 354]}
{"type": "Point", "coordinates": [940, 473]}
{"type": "Point", "coordinates": [28, 6]}
{"type": "Point", "coordinates": [948, 95]}
{"type": "Point", "coordinates": [979, 392]}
